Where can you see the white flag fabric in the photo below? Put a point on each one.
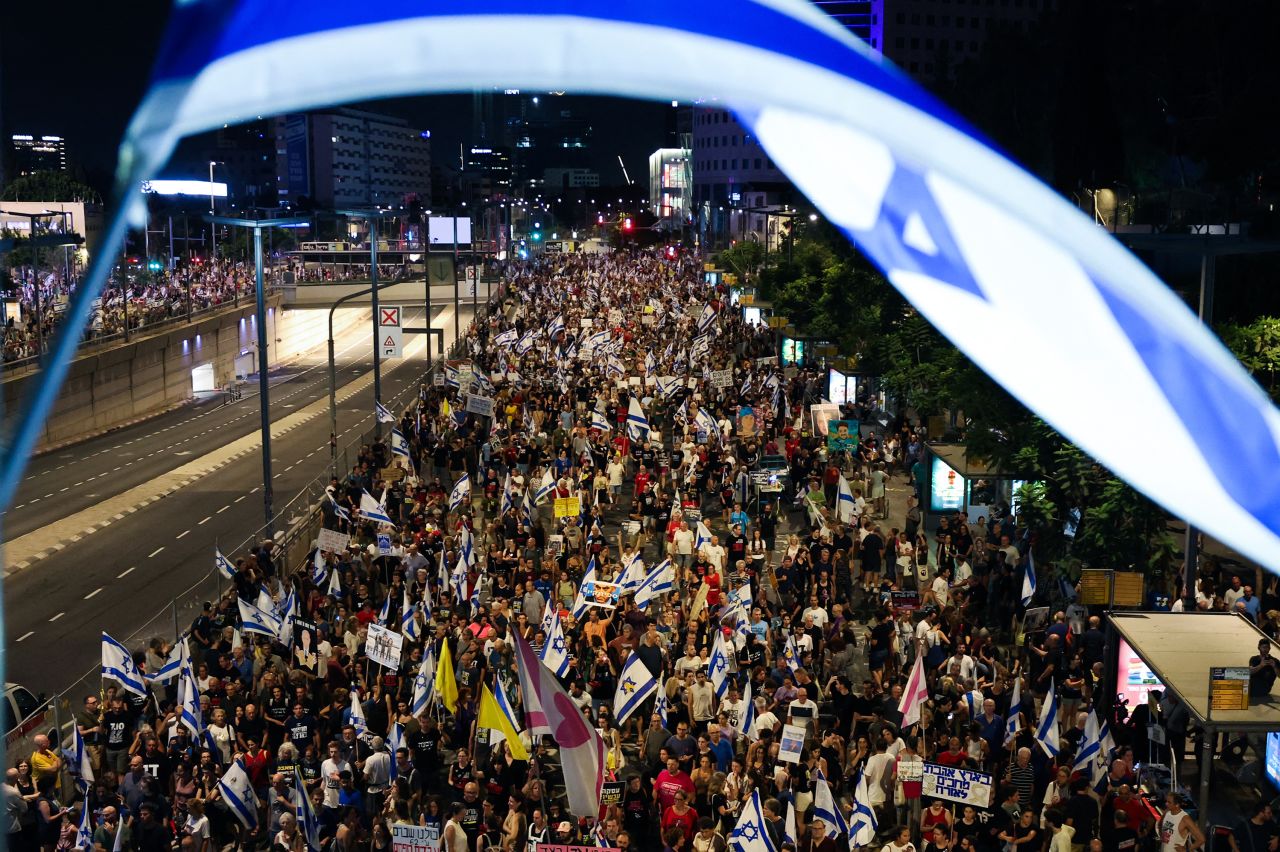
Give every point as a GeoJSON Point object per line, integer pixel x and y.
{"type": "Point", "coordinates": [845, 505]}
{"type": "Point", "coordinates": [862, 824]}
{"type": "Point", "coordinates": [399, 444]}
{"type": "Point", "coordinates": [747, 718]}
{"type": "Point", "coordinates": [80, 764]}
{"type": "Point", "coordinates": [172, 664]}
{"type": "Point", "coordinates": [224, 565]}
{"type": "Point", "coordinates": [637, 422]}
{"type": "Point", "coordinates": [660, 581]}
{"type": "Point", "coordinates": [382, 413]}
{"type": "Point", "coordinates": [1013, 724]}
{"type": "Point", "coordinates": [424, 682]}
{"type": "Point", "coordinates": [460, 493]}
{"type": "Point", "coordinates": [1090, 758]}
{"type": "Point", "coordinates": [718, 665]}
{"type": "Point", "coordinates": [633, 574]}
{"type": "Point", "coordinates": [555, 653]}
{"type": "Point", "coordinates": [545, 487]}
{"type": "Point", "coordinates": [789, 825]}
{"type": "Point", "coordinates": [372, 509]}
{"type": "Point", "coordinates": [826, 809]}
{"type": "Point", "coordinates": [1028, 580]}
{"type": "Point", "coordinates": [238, 793]}
{"type": "Point", "coordinates": [357, 716]}
{"type": "Point", "coordinates": [1047, 734]}
{"type": "Point", "coordinates": [750, 834]}
{"type": "Point", "coordinates": [549, 710]}
{"type": "Point", "coordinates": [118, 664]}
{"type": "Point", "coordinates": [257, 620]}
{"type": "Point", "coordinates": [914, 695]}
{"type": "Point", "coordinates": [189, 714]}
{"type": "Point", "coordinates": [635, 685]}
{"type": "Point", "coordinates": [580, 603]}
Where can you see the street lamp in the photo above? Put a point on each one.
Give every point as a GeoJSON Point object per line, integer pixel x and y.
{"type": "Point", "coordinates": [261, 318]}
{"type": "Point", "coordinates": [213, 230]}
{"type": "Point", "coordinates": [372, 217]}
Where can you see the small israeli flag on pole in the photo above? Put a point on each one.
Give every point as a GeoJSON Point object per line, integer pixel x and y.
{"type": "Point", "coordinates": [224, 565]}
{"type": "Point", "coordinates": [118, 664]}
{"type": "Point", "coordinates": [383, 414]}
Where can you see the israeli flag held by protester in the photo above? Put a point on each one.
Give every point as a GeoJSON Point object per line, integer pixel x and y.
{"type": "Point", "coordinates": [256, 620]}
{"type": "Point", "coordinates": [408, 622]}
{"type": "Point", "coordinates": [118, 664]}
{"type": "Point", "coordinates": [237, 792]}
{"type": "Point", "coordinates": [930, 202]}
{"type": "Point", "coordinates": [288, 612]}
{"type": "Point", "coordinates": [1047, 734]}
{"type": "Point", "coordinates": [395, 742]}
{"type": "Point", "coordinates": [718, 665]}
{"type": "Point", "coordinates": [545, 488]}
{"type": "Point", "coordinates": [826, 809]}
{"type": "Point", "coordinates": [747, 718]}
{"type": "Point", "coordinates": [224, 565]}
{"type": "Point", "coordinates": [637, 422]}
{"type": "Point", "coordinates": [399, 444]}
{"type": "Point", "coordinates": [791, 654]}
{"type": "Point", "coordinates": [862, 824]}
{"type": "Point", "coordinates": [335, 583]}
{"type": "Point", "coordinates": [308, 822]}
{"type": "Point", "coordinates": [661, 707]}
{"type": "Point", "coordinates": [845, 506]}
{"type": "Point", "coordinates": [358, 720]}
{"type": "Point", "coordinates": [660, 581]}
{"type": "Point", "coordinates": [383, 414]}
{"type": "Point", "coordinates": [372, 509]}
{"type": "Point", "coordinates": [189, 713]}
{"type": "Point", "coordinates": [460, 494]}
{"type": "Point", "coordinates": [750, 833]}
{"type": "Point", "coordinates": [526, 343]}
{"type": "Point", "coordinates": [635, 685]}
{"type": "Point", "coordinates": [506, 338]}
{"type": "Point", "coordinates": [1014, 723]}
{"type": "Point", "coordinates": [1089, 756]}
{"type": "Point", "coordinates": [556, 327]}
{"type": "Point", "coordinates": [707, 318]}
{"type": "Point", "coordinates": [84, 831]}
{"type": "Point", "coordinates": [424, 683]}
{"type": "Point", "coordinates": [555, 653]}
{"type": "Point", "coordinates": [789, 825]}
{"type": "Point", "coordinates": [585, 591]}
{"type": "Point", "coordinates": [1028, 580]}
{"type": "Point", "coordinates": [80, 763]}
{"type": "Point", "coordinates": [384, 612]}
{"type": "Point", "coordinates": [340, 510]}
{"type": "Point", "coordinates": [172, 664]}
{"type": "Point", "coordinates": [667, 385]}
{"type": "Point", "coordinates": [508, 496]}
{"type": "Point", "coordinates": [599, 421]}
{"type": "Point", "coordinates": [701, 536]}
{"type": "Point", "coordinates": [633, 574]}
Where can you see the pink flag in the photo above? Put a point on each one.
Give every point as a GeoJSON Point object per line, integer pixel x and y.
{"type": "Point", "coordinates": [914, 694]}
{"type": "Point", "coordinates": [549, 710]}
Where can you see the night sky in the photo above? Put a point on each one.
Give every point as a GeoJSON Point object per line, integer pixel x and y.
{"type": "Point", "coordinates": [81, 75]}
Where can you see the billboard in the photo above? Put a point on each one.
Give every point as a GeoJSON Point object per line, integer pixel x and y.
{"type": "Point", "coordinates": [841, 388]}
{"type": "Point", "coordinates": [1134, 678]}
{"type": "Point", "coordinates": [297, 149]}
{"type": "Point", "coordinates": [946, 487]}
{"type": "Point", "coordinates": [440, 230]}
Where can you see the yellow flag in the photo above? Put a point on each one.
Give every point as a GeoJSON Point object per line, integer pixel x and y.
{"type": "Point", "coordinates": [446, 683]}
{"type": "Point", "coordinates": [492, 717]}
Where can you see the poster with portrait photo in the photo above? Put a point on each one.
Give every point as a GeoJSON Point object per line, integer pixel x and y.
{"type": "Point", "coordinates": [842, 436]}
{"type": "Point", "coordinates": [306, 657]}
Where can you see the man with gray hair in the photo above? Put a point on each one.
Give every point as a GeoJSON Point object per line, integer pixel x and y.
{"type": "Point", "coordinates": [14, 807]}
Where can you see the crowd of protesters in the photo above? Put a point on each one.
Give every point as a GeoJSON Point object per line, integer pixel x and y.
{"type": "Point", "coordinates": [824, 643]}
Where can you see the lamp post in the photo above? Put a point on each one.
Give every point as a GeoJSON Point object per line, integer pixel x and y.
{"type": "Point", "coordinates": [372, 217]}
{"type": "Point", "coordinates": [260, 315]}
{"type": "Point", "coordinates": [213, 226]}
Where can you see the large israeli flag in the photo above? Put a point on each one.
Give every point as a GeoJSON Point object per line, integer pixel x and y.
{"type": "Point", "coordinates": [660, 581]}
{"type": "Point", "coordinates": [555, 653]}
{"type": "Point", "coordinates": [959, 229]}
{"type": "Point", "coordinates": [750, 834]}
{"type": "Point", "coordinates": [635, 685]}
{"type": "Point", "coordinates": [424, 683]}
{"type": "Point", "coordinates": [172, 664]}
{"type": "Point", "coordinates": [637, 422]}
{"type": "Point", "coordinates": [118, 664]}
{"type": "Point", "coordinates": [225, 566]}
{"type": "Point", "coordinates": [257, 620]}
{"type": "Point", "coordinates": [827, 809]}
{"type": "Point", "coordinates": [189, 713]}
{"type": "Point", "coordinates": [460, 494]}
{"type": "Point", "coordinates": [719, 665]}
{"type": "Point", "coordinates": [1047, 727]}
{"type": "Point", "coordinates": [373, 509]}
{"type": "Point", "coordinates": [237, 792]}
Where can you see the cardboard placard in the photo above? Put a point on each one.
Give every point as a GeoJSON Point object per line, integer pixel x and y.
{"type": "Point", "coordinates": [791, 744]}
{"type": "Point", "coordinates": [721, 378]}
{"type": "Point", "coordinates": [414, 838]}
{"type": "Point", "coordinates": [954, 784]}
{"type": "Point", "coordinates": [332, 541]}
{"type": "Point", "coordinates": [481, 405]}
{"type": "Point", "coordinates": [568, 507]}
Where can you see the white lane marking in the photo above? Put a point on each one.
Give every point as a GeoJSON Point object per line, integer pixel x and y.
{"type": "Point", "coordinates": [26, 635]}
{"type": "Point", "coordinates": [223, 509]}
{"type": "Point", "coordinates": [94, 592]}
{"type": "Point", "coordinates": [183, 533]}
{"type": "Point", "coordinates": [205, 521]}
{"type": "Point", "coordinates": [238, 499]}
{"type": "Point", "coordinates": [126, 572]}
{"type": "Point", "coordinates": [56, 617]}
{"type": "Point", "coordinates": [154, 552]}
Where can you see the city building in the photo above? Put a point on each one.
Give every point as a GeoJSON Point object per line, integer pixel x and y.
{"type": "Point", "coordinates": [558, 178]}
{"type": "Point", "coordinates": [80, 218]}
{"type": "Point", "coordinates": [671, 187]}
{"type": "Point", "coordinates": [929, 38]}
{"type": "Point", "coordinates": [350, 158]}
{"type": "Point", "coordinates": [854, 15]}
{"type": "Point", "coordinates": [487, 173]}
{"type": "Point", "coordinates": [28, 153]}
{"type": "Point", "coordinates": [732, 174]}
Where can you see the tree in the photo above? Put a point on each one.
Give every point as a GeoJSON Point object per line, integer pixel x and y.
{"type": "Point", "coordinates": [49, 186]}
{"type": "Point", "coordinates": [1257, 345]}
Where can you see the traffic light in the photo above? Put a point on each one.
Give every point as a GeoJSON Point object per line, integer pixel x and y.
{"type": "Point", "coordinates": [154, 265]}
{"type": "Point", "coordinates": [628, 225]}
{"type": "Point", "coordinates": [671, 252]}
{"type": "Point", "coordinates": [536, 236]}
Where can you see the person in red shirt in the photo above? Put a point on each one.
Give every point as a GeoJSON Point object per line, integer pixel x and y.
{"type": "Point", "coordinates": [642, 480]}
{"type": "Point", "coordinates": [257, 765]}
{"type": "Point", "coordinates": [671, 781]}
{"type": "Point", "coordinates": [680, 814]}
{"type": "Point", "coordinates": [954, 755]}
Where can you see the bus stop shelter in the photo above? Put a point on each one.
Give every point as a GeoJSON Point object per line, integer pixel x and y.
{"type": "Point", "coordinates": [1181, 650]}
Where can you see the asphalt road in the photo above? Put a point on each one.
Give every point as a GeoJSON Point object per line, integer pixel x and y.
{"type": "Point", "coordinates": [122, 577]}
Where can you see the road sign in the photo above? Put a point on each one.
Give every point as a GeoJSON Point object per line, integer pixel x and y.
{"type": "Point", "coordinates": [390, 332]}
{"type": "Point", "coordinates": [1229, 688]}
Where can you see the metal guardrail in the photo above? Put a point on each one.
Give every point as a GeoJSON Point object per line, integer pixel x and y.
{"type": "Point", "coordinates": [298, 521]}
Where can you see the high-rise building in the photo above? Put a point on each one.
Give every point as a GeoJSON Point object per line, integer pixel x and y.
{"type": "Point", "coordinates": [28, 153]}
{"type": "Point", "coordinates": [853, 15]}
{"type": "Point", "coordinates": [733, 178]}
{"type": "Point", "coordinates": [929, 38]}
{"type": "Point", "coordinates": [671, 187]}
{"type": "Point", "coordinates": [351, 158]}
{"type": "Point", "coordinates": [487, 173]}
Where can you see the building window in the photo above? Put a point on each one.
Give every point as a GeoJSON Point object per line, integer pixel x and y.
{"type": "Point", "coordinates": [899, 42]}
{"type": "Point", "coordinates": [902, 18]}
{"type": "Point", "coordinates": [757, 162]}
{"type": "Point", "coordinates": [928, 44]}
{"type": "Point", "coordinates": [733, 164]}
{"type": "Point", "coordinates": [915, 43]}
